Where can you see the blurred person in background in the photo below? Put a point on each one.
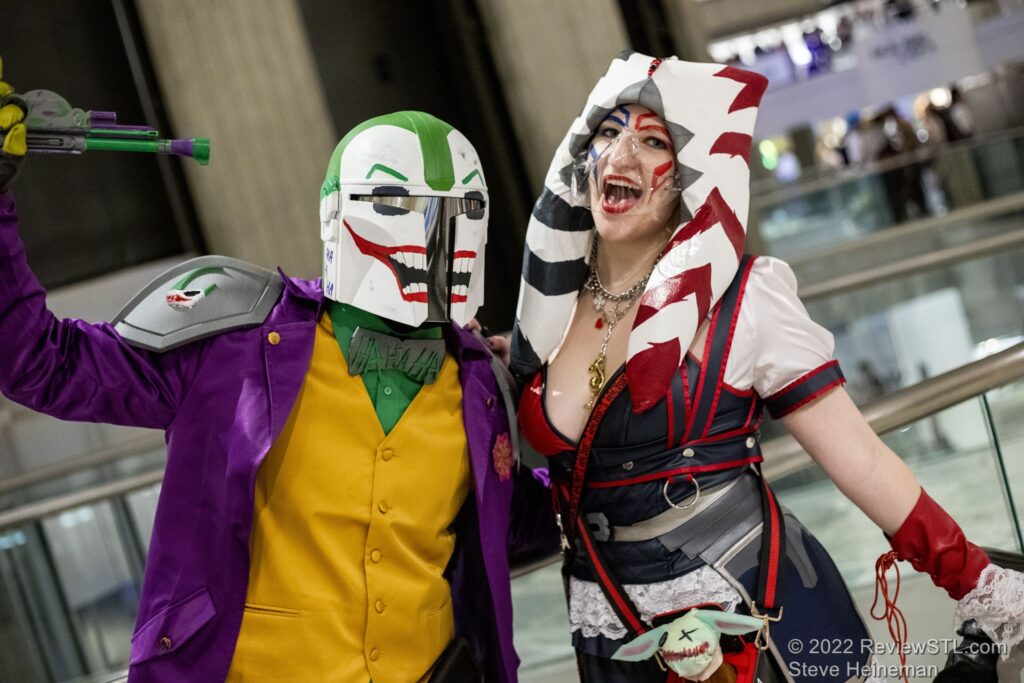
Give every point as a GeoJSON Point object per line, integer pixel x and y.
{"type": "Point", "coordinates": [648, 344]}
{"type": "Point", "coordinates": [903, 186]}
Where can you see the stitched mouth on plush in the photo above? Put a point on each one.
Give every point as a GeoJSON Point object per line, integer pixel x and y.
{"type": "Point", "coordinates": [679, 655]}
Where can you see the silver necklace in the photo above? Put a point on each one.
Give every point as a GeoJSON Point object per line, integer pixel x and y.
{"type": "Point", "coordinates": [610, 308]}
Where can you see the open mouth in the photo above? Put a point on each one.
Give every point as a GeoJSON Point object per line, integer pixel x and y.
{"type": "Point", "coordinates": [620, 194]}
{"type": "Point", "coordinates": [680, 655]}
{"type": "Point", "coordinates": [409, 266]}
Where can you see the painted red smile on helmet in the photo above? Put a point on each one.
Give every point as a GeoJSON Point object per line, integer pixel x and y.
{"type": "Point", "coordinates": [408, 263]}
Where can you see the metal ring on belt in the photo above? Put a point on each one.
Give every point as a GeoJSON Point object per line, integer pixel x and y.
{"type": "Point", "coordinates": [696, 496]}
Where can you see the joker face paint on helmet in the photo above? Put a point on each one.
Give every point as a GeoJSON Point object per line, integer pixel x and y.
{"type": "Point", "coordinates": [403, 216]}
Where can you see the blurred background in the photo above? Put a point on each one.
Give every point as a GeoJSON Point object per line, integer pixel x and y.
{"type": "Point", "coordinates": [888, 169]}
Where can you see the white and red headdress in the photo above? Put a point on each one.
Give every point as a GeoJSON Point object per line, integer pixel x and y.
{"type": "Point", "coordinates": [710, 111]}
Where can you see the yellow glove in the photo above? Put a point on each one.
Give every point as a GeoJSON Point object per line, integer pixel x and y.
{"type": "Point", "coordinates": [12, 113]}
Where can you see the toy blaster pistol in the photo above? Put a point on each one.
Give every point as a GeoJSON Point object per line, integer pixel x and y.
{"type": "Point", "coordinates": [52, 125]}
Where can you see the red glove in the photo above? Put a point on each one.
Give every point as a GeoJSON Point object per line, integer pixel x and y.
{"type": "Point", "coordinates": [935, 544]}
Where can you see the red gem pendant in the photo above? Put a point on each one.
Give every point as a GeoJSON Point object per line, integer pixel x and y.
{"type": "Point", "coordinates": [599, 324]}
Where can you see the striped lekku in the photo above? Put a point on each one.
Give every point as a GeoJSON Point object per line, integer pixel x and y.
{"type": "Point", "coordinates": [710, 111]}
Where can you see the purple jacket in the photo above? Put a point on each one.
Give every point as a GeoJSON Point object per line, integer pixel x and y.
{"type": "Point", "coordinates": [222, 402]}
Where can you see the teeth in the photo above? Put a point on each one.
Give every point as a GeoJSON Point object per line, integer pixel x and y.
{"type": "Point", "coordinates": [461, 289]}
{"type": "Point", "coordinates": [463, 265]}
{"type": "Point", "coordinates": [415, 288]}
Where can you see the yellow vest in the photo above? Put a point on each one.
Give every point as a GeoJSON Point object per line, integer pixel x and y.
{"type": "Point", "coordinates": [351, 533]}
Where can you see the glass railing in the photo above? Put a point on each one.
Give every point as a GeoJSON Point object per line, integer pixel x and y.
{"type": "Point", "coordinates": [969, 457]}
{"type": "Point", "coordinates": [898, 332]}
{"type": "Point", "coordinates": [69, 589]}
{"type": "Point", "coordinates": [984, 223]}
{"type": "Point", "coordinates": [853, 203]}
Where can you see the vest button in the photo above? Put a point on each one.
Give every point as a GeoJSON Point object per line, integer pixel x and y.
{"type": "Point", "coordinates": [379, 606]}
{"type": "Point", "coordinates": [627, 465]}
{"type": "Point", "coordinates": [383, 507]}
{"type": "Point", "coordinates": [375, 556]}
{"type": "Point", "coordinates": [490, 401]}
{"type": "Point", "coordinates": [374, 655]}
{"type": "Point", "coordinates": [166, 643]}
{"type": "Point", "coordinates": [274, 338]}
{"type": "Point", "coordinates": [387, 454]}
{"type": "Point", "coordinates": [751, 441]}
{"type": "Point", "coordinates": [688, 453]}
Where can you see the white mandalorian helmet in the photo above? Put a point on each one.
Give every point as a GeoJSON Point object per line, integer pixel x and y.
{"type": "Point", "coordinates": [403, 217]}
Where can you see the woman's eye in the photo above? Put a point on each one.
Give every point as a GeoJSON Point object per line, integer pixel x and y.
{"type": "Point", "coordinates": [656, 143]}
{"type": "Point", "coordinates": [608, 132]}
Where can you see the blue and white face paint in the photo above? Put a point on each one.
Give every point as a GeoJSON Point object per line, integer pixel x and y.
{"type": "Point", "coordinates": [628, 167]}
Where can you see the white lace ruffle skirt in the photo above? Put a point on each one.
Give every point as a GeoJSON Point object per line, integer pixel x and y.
{"type": "Point", "coordinates": [590, 613]}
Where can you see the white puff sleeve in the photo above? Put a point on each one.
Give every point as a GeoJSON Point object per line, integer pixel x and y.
{"type": "Point", "coordinates": [790, 361]}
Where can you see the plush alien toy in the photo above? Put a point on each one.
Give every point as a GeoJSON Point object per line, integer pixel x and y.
{"type": "Point", "coordinates": [689, 645]}
{"type": "Point", "coordinates": [403, 217]}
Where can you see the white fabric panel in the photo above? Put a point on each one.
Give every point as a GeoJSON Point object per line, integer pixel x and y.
{"type": "Point", "coordinates": [776, 342]}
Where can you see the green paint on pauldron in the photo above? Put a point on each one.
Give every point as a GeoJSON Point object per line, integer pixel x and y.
{"type": "Point", "coordinates": [385, 169]}
{"type": "Point", "coordinates": [419, 359]}
{"type": "Point", "coordinates": [184, 282]}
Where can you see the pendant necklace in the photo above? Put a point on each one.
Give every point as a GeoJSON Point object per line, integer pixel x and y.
{"type": "Point", "coordinates": [610, 308]}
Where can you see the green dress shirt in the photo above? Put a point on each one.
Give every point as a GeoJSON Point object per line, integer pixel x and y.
{"type": "Point", "coordinates": [390, 390]}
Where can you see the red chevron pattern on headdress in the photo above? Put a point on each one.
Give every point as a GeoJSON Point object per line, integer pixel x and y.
{"type": "Point", "coordinates": [713, 212]}
{"type": "Point", "coordinates": [733, 144]}
{"type": "Point", "coordinates": [754, 86]}
{"type": "Point", "coordinates": [710, 112]}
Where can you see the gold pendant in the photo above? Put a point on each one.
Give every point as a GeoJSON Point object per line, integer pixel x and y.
{"type": "Point", "coordinates": [596, 369]}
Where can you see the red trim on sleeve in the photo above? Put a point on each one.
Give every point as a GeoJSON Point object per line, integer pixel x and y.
{"type": "Point", "coordinates": [780, 397]}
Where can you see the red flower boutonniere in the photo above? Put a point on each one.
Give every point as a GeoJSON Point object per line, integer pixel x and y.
{"type": "Point", "coordinates": [502, 455]}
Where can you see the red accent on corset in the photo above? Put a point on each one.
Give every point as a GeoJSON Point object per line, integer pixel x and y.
{"type": "Point", "coordinates": [534, 424]}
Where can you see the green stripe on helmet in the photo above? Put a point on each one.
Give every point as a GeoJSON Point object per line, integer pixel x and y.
{"type": "Point", "coordinates": [433, 136]}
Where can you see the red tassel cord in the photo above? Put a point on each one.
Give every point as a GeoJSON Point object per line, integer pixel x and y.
{"type": "Point", "coordinates": [892, 615]}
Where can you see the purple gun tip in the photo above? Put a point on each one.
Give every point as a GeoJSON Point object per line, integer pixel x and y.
{"type": "Point", "coordinates": [197, 148]}
{"type": "Point", "coordinates": [182, 147]}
